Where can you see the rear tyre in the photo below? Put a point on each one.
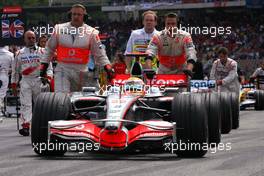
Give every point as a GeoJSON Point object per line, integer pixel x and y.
{"type": "Point", "coordinates": [226, 113]}
{"type": "Point", "coordinates": [48, 107]}
{"type": "Point", "coordinates": [189, 113]}
{"type": "Point", "coordinates": [259, 96]}
{"type": "Point", "coordinates": [214, 118]}
{"type": "Point", "coordinates": [235, 110]}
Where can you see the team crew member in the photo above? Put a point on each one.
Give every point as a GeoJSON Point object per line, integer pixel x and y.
{"type": "Point", "coordinates": [27, 64]}
{"type": "Point", "coordinates": [258, 72]}
{"type": "Point", "coordinates": [5, 65]}
{"type": "Point", "coordinates": [74, 41]}
{"type": "Point", "coordinates": [140, 38]}
{"type": "Point", "coordinates": [174, 48]}
{"type": "Point", "coordinates": [224, 71]}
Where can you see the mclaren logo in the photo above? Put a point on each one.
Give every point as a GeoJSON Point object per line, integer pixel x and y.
{"type": "Point", "coordinates": [71, 52]}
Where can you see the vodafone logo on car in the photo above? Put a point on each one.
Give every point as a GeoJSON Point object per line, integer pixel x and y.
{"type": "Point", "coordinates": [159, 79]}
{"type": "Point", "coordinates": [167, 82]}
{"type": "Point", "coordinates": [155, 82]}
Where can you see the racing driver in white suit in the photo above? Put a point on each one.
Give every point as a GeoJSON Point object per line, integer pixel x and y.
{"type": "Point", "coordinates": [27, 64]}
{"type": "Point", "coordinates": [224, 71]}
{"type": "Point", "coordinates": [74, 41]}
{"type": "Point", "coordinates": [6, 59]}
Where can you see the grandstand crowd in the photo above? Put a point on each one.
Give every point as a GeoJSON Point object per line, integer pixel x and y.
{"type": "Point", "coordinates": [245, 43]}
{"type": "Point", "coordinates": [131, 2]}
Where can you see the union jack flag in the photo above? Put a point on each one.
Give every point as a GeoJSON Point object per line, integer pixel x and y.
{"type": "Point", "coordinates": [16, 29]}
{"type": "Point", "coordinates": [5, 29]}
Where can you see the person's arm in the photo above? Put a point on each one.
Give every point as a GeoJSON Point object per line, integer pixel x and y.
{"type": "Point", "coordinates": [50, 71]}
{"type": "Point", "coordinates": [213, 76]}
{"type": "Point", "coordinates": [190, 52]}
{"type": "Point", "coordinates": [129, 49]}
{"type": "Point", "coordinates": [100, 57]}
{"type": "Point", "coordinates": [97, 49]}
{"type": "Point", "coordinates": [16, 69]}
{"type": "Point", "coordinates": [255, 74]}
{"type": "Point", "coordinates": [51, 46]}
{"type": "Point", "coordinates": [49, 51]}
{"type": "Point", "coordinates": [212, 73]}
{"type": "Point", "coordinates": [232, 75]}
{"type": "Point", "coordinates": [152, 50]}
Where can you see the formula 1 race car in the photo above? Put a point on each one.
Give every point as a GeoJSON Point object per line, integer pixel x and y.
{"type": "Point", "coordinates": [133, 113]}
{"type": "Point", "coordinates": [251, 95]}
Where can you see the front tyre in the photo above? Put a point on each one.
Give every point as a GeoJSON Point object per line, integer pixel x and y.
{"type": "Point", "coordinates": [48, 107]}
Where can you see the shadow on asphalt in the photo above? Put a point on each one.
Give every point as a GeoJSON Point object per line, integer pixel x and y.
{"type": "Point", "coordinates": [112, 157]}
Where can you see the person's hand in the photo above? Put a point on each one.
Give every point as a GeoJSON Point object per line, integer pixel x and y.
{"type": "Point", "coordinates": [148, 62]}
{"type": "Point", "coordinates": [219, 82]}
{"type": "Point", "coordinates": [44, 80]}
{"type": "Point", "coordinates": [109, 71]}
{"type": "Point", "coordinates": [14, 89]}
{"type": "Point", "coordinates": [43, 69]}
{"type": "Point", "coordinates": [127, 71]}
{"type": "Point", "coordinates": [188, 72]}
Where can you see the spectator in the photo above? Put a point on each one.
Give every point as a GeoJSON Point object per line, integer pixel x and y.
{"type": "Point", "coordinates": [42, 41]}
{"type": "Point", "coordinates": [119, 64]}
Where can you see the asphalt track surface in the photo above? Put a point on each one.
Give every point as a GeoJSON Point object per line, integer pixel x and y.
{"type": "Point", "coordinates": [246, 157]}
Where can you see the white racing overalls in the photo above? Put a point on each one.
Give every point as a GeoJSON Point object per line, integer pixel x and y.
{"type": "Point", "coordinates": [228, 74]}
{"type": "Point", "coordinates": [173, 52]}
{"type": "Point", "coordinates": [27, 64]}
{"type": "Point", "coordinates": [73, 47]}
{"type": "Point", "coordinates": [6, 59]}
